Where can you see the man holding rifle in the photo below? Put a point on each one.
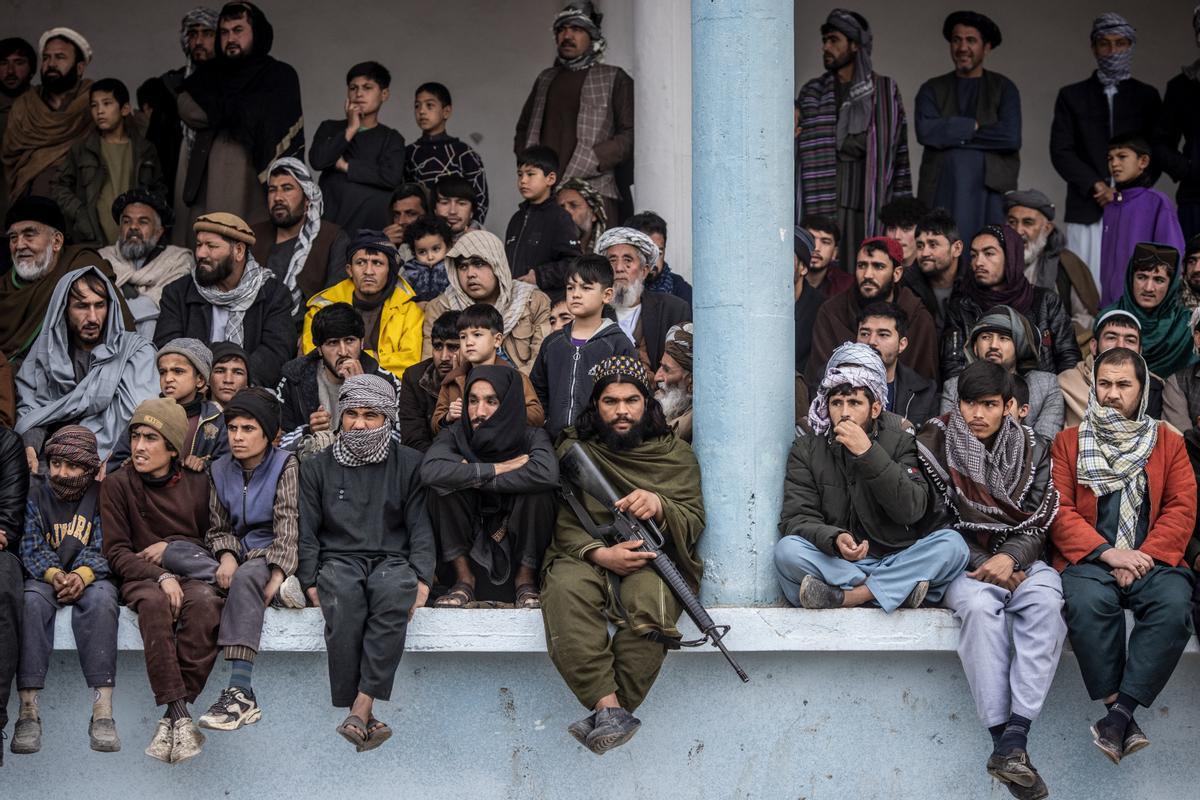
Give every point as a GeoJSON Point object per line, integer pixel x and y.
{"type": "Point", "coordinates": [587, 585]}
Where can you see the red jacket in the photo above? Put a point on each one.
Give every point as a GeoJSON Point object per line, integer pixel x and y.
{"type": "Point", "coordinates": [1171, 487]}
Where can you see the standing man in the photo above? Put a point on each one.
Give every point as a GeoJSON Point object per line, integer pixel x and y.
{"type": "Point", "coordinates": [18, 62]}
{"type": "Point", "coordinates": [14, 486]}
{"type": "Point", "coordinates": [1127, 510]}
{"type": "Point", "coordinates": [583, 109]}
{"type": "Point", "coordinates": [853, 140]}
{"type": "Point", "coordinates": [1180, 120]}
{"type": "Point", "coordinates": [969, 121]}
{"type": "Point", "coordinates": [243, 108]}
{"type": "Point", "coordinates": [42, 125]}
{"type": "Point", "coordinates": [1086, 116]}
{"type": "Point", "coordinates": [198, 39]}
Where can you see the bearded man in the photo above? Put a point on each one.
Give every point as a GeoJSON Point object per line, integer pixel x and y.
{"type": "Point", "coordinates": [17, 65]}
{"type": "Point", "coordinates": [674, 380]}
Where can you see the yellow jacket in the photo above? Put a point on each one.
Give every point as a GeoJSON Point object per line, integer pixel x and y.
{"type": "Point", "coordinates": [400, 323]}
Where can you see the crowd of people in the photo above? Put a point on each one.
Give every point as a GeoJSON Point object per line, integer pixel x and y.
{"type": "Point", "coordinates": [232, 379]}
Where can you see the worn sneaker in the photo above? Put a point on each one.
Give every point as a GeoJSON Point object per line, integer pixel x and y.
{"type": "Point", "coordinates": [1013, 768]}
{"type": "Point", "coordinates": [1109, 739]}
{"type": "Point", "coordinates": [186, 740]}
{"type": "Point", "coordinates": [234, 708]}
{"type": "Point", "coordinates": [1135, 738]}
{"type": "Point", "coordinates": [580, 728]}
{"type": "Point", "coordinates": [160, 746]}
{"type": "Point", "coordinates": [290, 594]}
{"type": "Point", "coordinates": [103, 735]}
{"type": "Point", "coordinates": [1038, 791]}
{"type": "Point", "coordinates": [816, 593]}
{"type": "Point", "coordinates": [27, 736]}
{"type": "Point", "coordinates": [917, 595]}
{"type": "Point", "coordinates": [614, 727]}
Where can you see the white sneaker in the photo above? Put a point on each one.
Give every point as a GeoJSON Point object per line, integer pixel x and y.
{"type": "Point", "coordinates": [290, 593]}
{"type": "Point", "coordinates": [160, 746]}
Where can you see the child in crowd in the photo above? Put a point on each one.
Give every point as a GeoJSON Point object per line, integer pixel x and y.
{"type": "Point", "coordinates": [561, 375]}
{"type": "Point", "coordinates": [183, 369]}
{"type": "Point", "coordinates": [560, 315]}
{"type": "Point", "coordinates": [542, 238]}
{"type": "Point", "coordinates": [361, 160]}
{"type": "Point", "coordinates": [436, 153]}
{"type": "Point", "coordinates": [455, 201]}
{"type": "Point", "coordinates": [480, 338]}
{"type": "Point", "coordinates": [1139, 213]}
{"type": "Point", "coordinates": [61, 553]}
{"type": "Point", "coordinates": [230, 371]}
{"type": "Point", "coordinates": [429, 239]}
{"type": "Point", "coordinates": [112, 159]}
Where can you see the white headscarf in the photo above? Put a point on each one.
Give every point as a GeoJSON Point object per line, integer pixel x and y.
{"type": "Point", "coordinates": [312, 220]}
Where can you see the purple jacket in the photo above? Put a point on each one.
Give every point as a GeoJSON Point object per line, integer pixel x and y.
{"type": "Point", "coordinates": [1137, 215]}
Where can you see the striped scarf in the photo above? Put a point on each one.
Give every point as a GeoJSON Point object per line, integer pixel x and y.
{"type": "Point", "coordinates": [1113, 452]}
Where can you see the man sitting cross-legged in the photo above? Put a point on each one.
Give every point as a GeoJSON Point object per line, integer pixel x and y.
{"type": "Point", "coordinates": [1128, 509]}
{"type": "Point", "coordinates": [493, 479]}
{"type": "Point", "coordinates": [848, 471]}
{"type": "Point", "coordinates": [587, 585]}
{"type": "Point", "coordinates": [992, 481]}
{"type": "Point", "coordinates": [367, 554]}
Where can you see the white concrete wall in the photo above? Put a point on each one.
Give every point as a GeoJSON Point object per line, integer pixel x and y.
{"type": "Point", "coordinates": [1045, 47]}
{"type": "Point", "coordinates": [487, 53]}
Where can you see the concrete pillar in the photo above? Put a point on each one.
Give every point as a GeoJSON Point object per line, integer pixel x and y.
{"type": "Point", "coordinates": [742, 237]}
{"type": "Point", "coordinates": [662, 148]}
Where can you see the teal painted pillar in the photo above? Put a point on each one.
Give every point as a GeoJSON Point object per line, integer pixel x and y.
{"type": "Point", "coordinates": [742, 212]}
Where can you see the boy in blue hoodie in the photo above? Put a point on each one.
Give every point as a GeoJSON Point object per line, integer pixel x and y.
{"type": "Point", "coordinates": [561, 374]}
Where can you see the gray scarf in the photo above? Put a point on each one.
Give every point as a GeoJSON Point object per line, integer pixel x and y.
{"type": "Point", "coordinates": [854, 116]}
{"type": "Point", "coordinates": [238, 299]}
{"type": "Point", "coordinates": [578, 17]}
{"type": "Point", "coordinates": [355, 448]}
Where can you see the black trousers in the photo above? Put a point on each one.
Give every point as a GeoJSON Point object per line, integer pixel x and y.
{"type": "Point", "coordinates": [457, 521]}
{"type": "Point", "coordinates": [12, 607]}
{"type": "Point", "coordinates": [365, 601]}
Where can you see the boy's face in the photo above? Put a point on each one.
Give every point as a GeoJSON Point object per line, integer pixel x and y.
{"type": "Point", "coordinates": [479, 345]}
{"type": "Point", "coordinates": [177, 378]}
{"type": "Point", "coordinates": [228, 378]}
{"type": "Point", "coordinates": [824, 249]}
{"type": "Point", "coordinates": [445, 355]}
{"type": "Point", "coordinates": [246, 438]}
{"type": "Point", "coordinates": [430, 114]}
{"type": "Point", "coordinates": [533, 184]}
{"type": "Point", "coordinates": [62, 469]}
{"type": "Point", "coordinates": [456, 211]}
{"type": "Point", "coordinates": [987, 261]}
{"type": "Point", "coordinates": [586, 299]}
{"type": "Point", "coordinates": [149, 450]}
{"type": "Point", "coordinates": [906, 235]}
{"type": "Point", "coordinates": [560, 315]}
{"type": "Point", "coordinates": [107, 113]}
{"type": "Point", "coordinates": [366, 94]}
{"type": "Point", "coordinates": [430, 249]}
{"type": "Point", "coordinates": [1125, 165]}
{"type": "Point", "coordinates": [1150, 288]}
{"type": "Point", "coordinates": [985, 415]}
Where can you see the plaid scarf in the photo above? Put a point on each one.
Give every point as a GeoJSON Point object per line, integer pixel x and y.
{"type": "Point", "coordinates": [236, 301]}
{"type": "Point", "coordinates": [357, 447]}
{"type": "Point", "coordinates": [853, 363]}
{"type": "Point", "coordinates": [1113, 452]}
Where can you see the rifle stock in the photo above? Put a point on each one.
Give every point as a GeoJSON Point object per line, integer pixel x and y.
{"type": "Point", "coordinates": [582, 471]}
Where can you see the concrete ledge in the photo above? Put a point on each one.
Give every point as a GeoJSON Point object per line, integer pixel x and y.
{"type": "Point", "coordinates": [753, 630]}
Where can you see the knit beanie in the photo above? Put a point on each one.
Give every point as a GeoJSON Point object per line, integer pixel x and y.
{"type": "Point", "coordinates": [257, 403]}
{"type": "Point", "coordinates": [167, 417]}
{"type": "Point", "coordinates": [193, 350]}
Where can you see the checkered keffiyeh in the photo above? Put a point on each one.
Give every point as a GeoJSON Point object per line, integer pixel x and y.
{"type": "Point", "coordinates": [355, 448]}
{"type": "Point", "coordinates": [853, 363]}
{"type": "Point", "coordinates": [1113, 451]}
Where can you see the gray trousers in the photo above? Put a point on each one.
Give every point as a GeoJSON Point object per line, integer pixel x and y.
{"type": "Point", "coordinates": [93, 620]}
{"type": "Point", "coordinates": [245, 602]}
{"type": "Point", "coordinates": [1010, 642]}
{"type": "Point", "coordinates": [365, 601]}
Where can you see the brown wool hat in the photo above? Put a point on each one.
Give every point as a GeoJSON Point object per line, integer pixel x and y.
{"type": "Point", "coordinates": [231, 226]}
{"type": "Point", "coordinates": [165, 416]}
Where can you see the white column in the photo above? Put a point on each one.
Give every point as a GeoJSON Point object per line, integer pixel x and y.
{"type": "Point", "coordinates": [662, 62]}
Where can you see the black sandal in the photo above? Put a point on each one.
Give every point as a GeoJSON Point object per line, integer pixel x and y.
{"type": "Point", "coordinates": [460, 596]}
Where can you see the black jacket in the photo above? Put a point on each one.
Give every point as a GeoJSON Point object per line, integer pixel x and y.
{"type": "Point", "coordinates": [1080, 133]}
{"type": "Point", "coordinates": [916, 396]}
{"type": "Point", "coordinates": [418, 398]}
{"type": "Point", "coordinates": [299, 395]}
{"type": "Point", "coordinates": [1180, 120]}
{"type": "Point", "coordinates": [445, 471]}
{"type": "Point", "coordinates": [14, 488]}
{"type": "Point", "coordinates": [659, 312]}
{"type": "Point", "coordinates": [560, 373]}
{"type": "Point", "coordinates": [270, 335]}
{"type": "Point", "coordinates": [542, 237]}
{"type": "Point", "coordinates": [1057, 350]}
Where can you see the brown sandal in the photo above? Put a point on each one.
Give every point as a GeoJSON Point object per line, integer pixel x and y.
{"type": "Point", "coordinates": [354, 731]}
{"type": "Point", "coordinates": [377, 733]}
{"type": "Point", "coordinates": [528, 596]}
{"type": "Point", "coordinates": [460, 596]}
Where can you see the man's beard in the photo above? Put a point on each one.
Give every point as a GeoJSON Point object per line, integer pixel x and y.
{"type": "Point", "coordinates": [838, 63]}
{"type": "Point", "coordinates": [630, 295]}
{"type": "Point", "coordinates": [15, 91]}
{"type": "Point", "coordinates": [675, 400]}
{"type": "Point", "coordinates": [1034, 249]}
{"type": "Point", "coordinates": [222, 270]}
{"type": "Point", "coordinates": [885, 291]}
{"type": "Point", "coordinates": [618, 442]}
{"type": "Point", "coordinates": [32, 268]}
{"type": "Point", "coordinates": [287, 221]}
{"type": "Point", "coordinates": [60, 83]}
{"type": "Point", "coordinates": [136, 248]}
{"type": "Point", "coordinates": [1193, 282]}
{"type": "Point", "coordinates": [938, 269]}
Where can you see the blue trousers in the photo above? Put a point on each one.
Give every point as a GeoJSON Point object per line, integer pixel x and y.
{"type": "Point", "coordinates": [938, 558]}
{"type": "Point", "coordinates": [93, 620]}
